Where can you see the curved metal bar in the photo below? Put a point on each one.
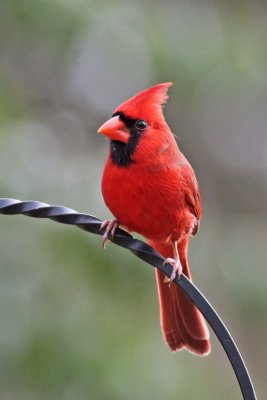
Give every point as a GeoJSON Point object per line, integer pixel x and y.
{"type": "Point", "coordinates": [142, 250]}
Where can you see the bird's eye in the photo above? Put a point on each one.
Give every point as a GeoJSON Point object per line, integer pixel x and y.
{"type": "Point", "coordinates": [141, 125]}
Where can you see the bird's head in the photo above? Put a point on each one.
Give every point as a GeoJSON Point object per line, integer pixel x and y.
{"type": "Point", "coordinates": [137, 117]}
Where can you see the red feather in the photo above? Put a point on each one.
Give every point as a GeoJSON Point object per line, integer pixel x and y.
{"type": "Point", "coordinates": [151, 188]}
{"type": "Point", "coordinates": [147, 103]}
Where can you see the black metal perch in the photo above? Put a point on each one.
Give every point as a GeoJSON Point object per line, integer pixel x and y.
{"type": "Point", "coordinates": [92, 224]}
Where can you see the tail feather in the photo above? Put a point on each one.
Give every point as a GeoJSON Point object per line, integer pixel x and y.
{"type": "Point", "coordinates": [182, 323]}
{"type": "Point", "coordinates": [168, 318]}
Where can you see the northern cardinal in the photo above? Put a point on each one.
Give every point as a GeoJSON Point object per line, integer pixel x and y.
{"type": "Point", "coordinates": [150, 188]}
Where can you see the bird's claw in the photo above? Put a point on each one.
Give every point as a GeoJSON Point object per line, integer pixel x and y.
{"type": "Point", "coordinates": [110, 227]}
{"type": "Point", "coordinates": [176, 268]}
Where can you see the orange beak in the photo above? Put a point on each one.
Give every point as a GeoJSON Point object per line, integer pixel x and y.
{"type": "Point", "coordinates": [115, 129]}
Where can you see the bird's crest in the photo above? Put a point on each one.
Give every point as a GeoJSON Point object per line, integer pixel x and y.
{"type": "Point", "coordinates": [146, 104]}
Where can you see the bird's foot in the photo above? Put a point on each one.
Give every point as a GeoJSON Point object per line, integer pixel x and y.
{"type": "Point", "coordinates": [176, 268]}
{"type": "Point", "coordinates": [110, 227]}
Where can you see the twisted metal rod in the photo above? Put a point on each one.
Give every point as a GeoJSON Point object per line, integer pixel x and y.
{"type": "Point", "coordinates": [142, 250]}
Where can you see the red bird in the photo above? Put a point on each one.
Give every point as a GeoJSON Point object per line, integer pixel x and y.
{"type": "Point", "coordinates": [150, 188]}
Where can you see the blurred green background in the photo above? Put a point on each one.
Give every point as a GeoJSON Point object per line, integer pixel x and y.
{"type": "Point", "coordinates": [81, 323]}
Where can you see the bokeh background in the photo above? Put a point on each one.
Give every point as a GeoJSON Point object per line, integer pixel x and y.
{"type": "Point", "coordinates": [77, 322]}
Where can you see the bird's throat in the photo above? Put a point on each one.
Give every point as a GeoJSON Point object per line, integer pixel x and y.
{"type": "Point", "coordinates": [121, 153]}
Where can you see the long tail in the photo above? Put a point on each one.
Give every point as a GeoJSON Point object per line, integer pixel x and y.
{"type": "Point", "coordinates": [182, 324]}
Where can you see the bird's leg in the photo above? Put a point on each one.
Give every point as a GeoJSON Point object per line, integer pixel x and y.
{"type": "Point", "coordinates": [175, 262]}
{"type": "Point", "coordinates": [110, 226]}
